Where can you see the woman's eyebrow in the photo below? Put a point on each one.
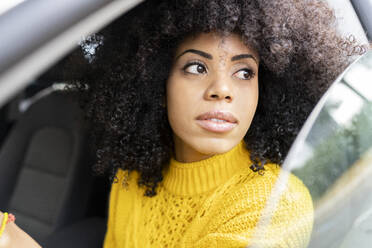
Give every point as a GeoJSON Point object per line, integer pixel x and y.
{"type": "Point", "coordinates": [198, 52]}
{"type": "Point", "coordinates": [243, 56]}
{"type": "Point", "coordinates": [209, 56]}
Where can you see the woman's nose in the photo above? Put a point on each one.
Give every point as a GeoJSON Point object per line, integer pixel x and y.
{"type": "Point", "coordinates": [219, 89]}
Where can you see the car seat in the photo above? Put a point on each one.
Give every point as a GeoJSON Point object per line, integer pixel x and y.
{"type": "Point", "coordinates": [45, 178]}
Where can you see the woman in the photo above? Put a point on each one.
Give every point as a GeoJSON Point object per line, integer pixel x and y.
{"type": "Point", "coordinates": [209, 197]}
{"type": "Point", "coordinates": [195, 108]}
{"type": "Point", "coordinates": [193, 116]}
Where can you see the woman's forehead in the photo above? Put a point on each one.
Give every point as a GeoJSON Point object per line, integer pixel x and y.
{"type": "Point", "coordinates": [214, 43]}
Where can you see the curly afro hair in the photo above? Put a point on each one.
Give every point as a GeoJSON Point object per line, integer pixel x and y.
{"type": "Point", "coordinates": [300, 51]}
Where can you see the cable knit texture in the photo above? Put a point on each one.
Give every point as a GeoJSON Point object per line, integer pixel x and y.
{"type": "Point", "coordinates": [216, 202]}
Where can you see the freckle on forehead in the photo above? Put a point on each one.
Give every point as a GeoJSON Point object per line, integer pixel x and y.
{"type": "Point", "coordinates": [222, 42]}
{"type": "Point", "coordinates": [223, 55]}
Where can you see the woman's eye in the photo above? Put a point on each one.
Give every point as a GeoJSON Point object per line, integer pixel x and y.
{"type": "Point", "coordinates": [195, 68]}
{"type": "Point", "coordinates": [245, 74]}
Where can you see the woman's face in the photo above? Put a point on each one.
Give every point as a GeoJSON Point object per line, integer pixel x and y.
{"type": "Point", "coordinates": [212, 94]}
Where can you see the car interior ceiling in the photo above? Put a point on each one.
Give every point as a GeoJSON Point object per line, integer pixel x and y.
{"type": "Point", "coordinates": [46, 165]}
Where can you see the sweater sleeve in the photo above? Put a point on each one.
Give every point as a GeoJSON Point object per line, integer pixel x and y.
{"type": "Point", "coordinates": [290, 226]}
{"type": "Point", "coordinates": [109, 237]}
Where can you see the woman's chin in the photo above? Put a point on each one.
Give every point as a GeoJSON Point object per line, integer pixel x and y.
{"type": "Point", "coordinates": [215, 146]}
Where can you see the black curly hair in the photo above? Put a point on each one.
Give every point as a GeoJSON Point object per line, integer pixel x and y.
{"type": "Point", "coordinates": [300, 52]}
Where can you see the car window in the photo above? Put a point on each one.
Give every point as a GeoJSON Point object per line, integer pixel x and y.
{"type": "Point", "coordinates": [332, 155]}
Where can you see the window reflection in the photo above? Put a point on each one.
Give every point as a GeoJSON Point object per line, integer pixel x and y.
{"type": "Point", "coordinates": [335, 159]}
{"type": "Point", "coordinates": [360, 79]}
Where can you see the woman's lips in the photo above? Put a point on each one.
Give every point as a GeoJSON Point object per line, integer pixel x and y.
{"type": "Point", "coordinates": [218, 127]}
{"type": "Point", "coordinates": [217, 121]}
{"type": "Point", "coordinates": [218, 114]}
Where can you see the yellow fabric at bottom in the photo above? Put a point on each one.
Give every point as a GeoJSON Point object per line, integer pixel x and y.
{"type": "Point", "coordinates": [216, 202]}
{"type": "Point", "coordinates": [2, 227]}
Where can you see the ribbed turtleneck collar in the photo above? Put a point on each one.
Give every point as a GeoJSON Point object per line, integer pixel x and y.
{"type": "Point", "coordinates": [201, 176]}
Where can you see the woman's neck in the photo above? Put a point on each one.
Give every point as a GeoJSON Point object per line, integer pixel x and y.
{"type": "Point", "coordinates": [201, 176]}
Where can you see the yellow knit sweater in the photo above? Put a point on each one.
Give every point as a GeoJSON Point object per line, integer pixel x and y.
{"type": "Point", "coordinates": [216, 202]}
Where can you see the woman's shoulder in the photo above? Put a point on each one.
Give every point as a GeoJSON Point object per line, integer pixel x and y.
{"type": "Point", "coordinates": [264, 180]}
{"type": "Point", "coordinates": [251, 190]}
{"type": "Point", "coordinates": [285, 179]}
{"type": "Point", "coordinates": [125, 181]}
{"type": "Point", "coordinates": [237, 206]}
{"type": "Point", "coordinates": [286, 184]}
{"type": "Point", "coordinates": [243, 199]}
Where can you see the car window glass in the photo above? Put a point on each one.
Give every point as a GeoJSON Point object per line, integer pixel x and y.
{"type": "Point", "coordinates": [333, 157]}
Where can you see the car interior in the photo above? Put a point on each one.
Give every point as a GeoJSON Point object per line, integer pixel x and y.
{"type": "Point", "coordinates": [46, 157]}
{"type": "Point", "coordinates": [46, 177]}
{"type": "Point", "coordinates": [46, 165]}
